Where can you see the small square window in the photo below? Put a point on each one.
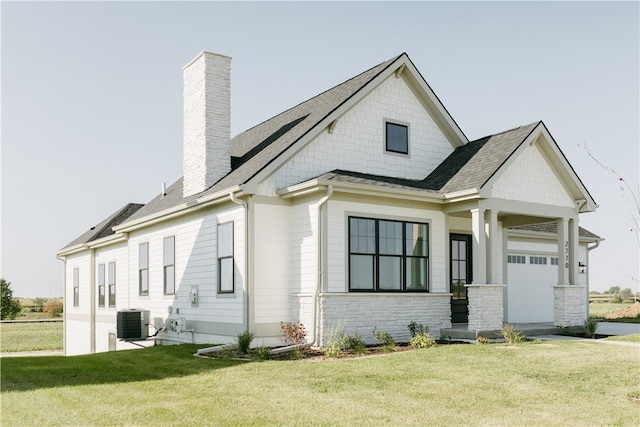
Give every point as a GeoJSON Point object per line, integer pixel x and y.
{"type": "Point", "coordinates": [397, 138]}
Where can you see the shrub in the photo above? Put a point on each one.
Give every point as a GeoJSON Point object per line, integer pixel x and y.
{"type": "Point", "coordinates": [590, 326]}
{"type": "Point", "coordinates": [422, 340]}
{"type": "Point", "coordinates": [335, 341]}
{"type": "Point", "coordinates": [244, 341]}
{"type": "Point", "coordinates": [482, 340]}
{"type": "Point", "coordinates": [294, 333]}
{"type": "Point", "coordinates": [512, 335]}
{"type": "Point", "coordinates": [385, 339]}
{"type": "Point", "coordinates": [417, 328]}
{"type": "Point", "coordinates": [617, 299]}
{"type": "Point", "coordinates": [355, 342]}
{"type": "Point", "coordinates": [262, 352]}
{"type": "Point", "coordinates": [53, 308]}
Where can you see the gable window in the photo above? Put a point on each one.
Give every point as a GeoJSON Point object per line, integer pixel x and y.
{"type": "Point", "coordinates": [143, 269]}
{"type": "Point", "coordinates": [396, 138]}
{"type": "Point", "coordinates": [516, 259]}
{"type": "Point", "coordinates": [76, 287]}
{"type": "Point", "coordinates": [538, 260]}
{"type": "Point", "coordinates": [225, 258]}
{"type": "Point", "coordinates": [101, 282]}
{"type": "Point", "coordinates": [388, 256]}
{"type": "Point", "coordinates": [169, 257]}
{"type": "Point", "coordinates": [112, 284]}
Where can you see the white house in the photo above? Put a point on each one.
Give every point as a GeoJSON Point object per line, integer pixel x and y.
{"type": "Point", "coordinates": [364, 205]}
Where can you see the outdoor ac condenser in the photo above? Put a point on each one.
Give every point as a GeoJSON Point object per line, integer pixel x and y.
{"type": "Point", "coordinates": [133, 324]}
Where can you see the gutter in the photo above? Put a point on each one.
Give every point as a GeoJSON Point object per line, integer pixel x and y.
{"type": "Point", "coordinates": [319, 277]}
{"type": "Point", "coordinates": [245, 206]}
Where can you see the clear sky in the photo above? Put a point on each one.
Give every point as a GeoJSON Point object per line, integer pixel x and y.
{"type": "Point", "coordinates": [92, 98]}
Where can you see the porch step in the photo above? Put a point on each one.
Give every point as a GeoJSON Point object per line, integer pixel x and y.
{"type": "Point", "coordinates": [461, 332]}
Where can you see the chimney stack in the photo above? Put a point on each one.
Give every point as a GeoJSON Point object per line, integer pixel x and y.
{"type": "Point", "coordinates": [207, 121]}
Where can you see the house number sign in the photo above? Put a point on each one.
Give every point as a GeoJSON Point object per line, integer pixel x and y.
{"type": "Point", "coordinates": [566, 254]}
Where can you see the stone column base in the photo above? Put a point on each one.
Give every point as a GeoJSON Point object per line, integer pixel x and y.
{"type": "Point", "coordinates": [486, 307]}
{"type": "Point", "coordinates": [569, 305]}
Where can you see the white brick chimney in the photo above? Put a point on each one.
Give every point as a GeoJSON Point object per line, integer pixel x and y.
{"type": "Point", "coordinates": [207, 121]}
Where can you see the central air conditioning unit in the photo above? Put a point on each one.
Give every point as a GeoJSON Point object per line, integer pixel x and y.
{"type": "Point", "coordinates": [133, 324]}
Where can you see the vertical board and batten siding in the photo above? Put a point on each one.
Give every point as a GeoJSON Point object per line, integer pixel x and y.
{"type": "Point", "coordinates": [530, 292]}
{"type": "Point", "coordinates": [77, 319]}
{"type": "Point", "coordinates": [530, 178]}
{"type": "Point", "coordinates": [273, 264]}
{"type": "Point", "coordinates": [358, 141]}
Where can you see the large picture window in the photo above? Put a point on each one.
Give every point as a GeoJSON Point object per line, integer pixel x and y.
{"type": "Point", "coordinates": [143, 269]}
{"type": "Point", "coordinates": [169, 256]}
{"type": "Point", "coordinates": [112, 284]}
{"type": "Point", "coordinates": [225, 258]}
{"type": "Point", "coordinates": [388, 256]}
{"type": "Point", "coordinates": [101, 284]}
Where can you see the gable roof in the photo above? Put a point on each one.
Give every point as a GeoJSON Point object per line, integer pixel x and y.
{"type": "Point", "coordinates": [105, 227]}
{"type": "Point", "coordinates": [262, 145]}
{"type": "Point", "coordinates": [551, 227]}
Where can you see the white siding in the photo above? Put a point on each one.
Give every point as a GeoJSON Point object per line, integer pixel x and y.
{"type": "Point", "coordinates": [77, 319]}
{"type": "Point", "coordinates": [358, 143]}
{"type": "Point", "coordinates": [530, 179]}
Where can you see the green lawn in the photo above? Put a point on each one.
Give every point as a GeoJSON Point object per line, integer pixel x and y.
{"type": "Point", "coordinates": [31, 336]}
{"type": "Point", "coordinates": [553, 383]}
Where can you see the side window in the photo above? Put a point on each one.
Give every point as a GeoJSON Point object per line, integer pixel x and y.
{"type": "Point", "coordinates": [225, 258]}
{"type": "Point", "coordinates": [143, 269]}
{"type": "Point", "coordinates": [101, 282]}
{"type": "Point", "coordinates": [112, 284]}
{"type": "Point", "coordinates": [396, 138]}
{"type": "Point", "coordinates": [76, 287]}
{"type": "Point", "coordinates": [169, 256]}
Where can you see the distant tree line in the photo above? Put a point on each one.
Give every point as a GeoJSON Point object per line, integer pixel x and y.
{"type": "Point", "coordinates": [11, 306]}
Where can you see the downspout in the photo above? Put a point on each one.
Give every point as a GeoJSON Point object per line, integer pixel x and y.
{"type": "Point", "coordinates": [589, 249]}
{"type": "Point", "coordinates": [64, 303]}
{"type": "Point", "coordinates": [319, 277]}
{"type": "Point", "coordinates": [92, 301]}
{"type": "Point", "coordinates": [245, 205]}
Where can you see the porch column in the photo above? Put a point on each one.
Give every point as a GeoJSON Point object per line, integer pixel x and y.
{"type": "Point", "coordinates": [493, 248]}
{"type": "Point", "coordinates": [479, 246]}
{"type": "Point", "coordinates": [563, 252]}
{"type": "Point", "coordinates": [573, 251]}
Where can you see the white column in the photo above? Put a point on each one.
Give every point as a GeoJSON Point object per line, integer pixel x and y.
{"type": "Point", "coordinates": [479, 245]}
{"type": "Point", "coordinates": [573, 251]}
{"type": "Point", "coordinates": [563, 251]}
{"type": "Point", "coordinates": [493, 247]}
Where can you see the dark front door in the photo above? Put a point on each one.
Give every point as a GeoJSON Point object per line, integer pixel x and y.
{"type": "Point", "coordinates": [461, 268]}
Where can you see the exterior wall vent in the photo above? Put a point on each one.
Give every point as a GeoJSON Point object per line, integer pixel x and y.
{"type": "Point", "coordinates": [133, 324]}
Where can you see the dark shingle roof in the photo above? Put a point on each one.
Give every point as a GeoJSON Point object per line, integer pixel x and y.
{"type": "Point", "coordinates": [256, 148]}
{"type": "Point", "coordinates": [105, 227]}
{"type": "Point", "coordinates": [352, 177]}
{"type": "Point", "coordinates": [551, 227]}
{"type": "Point", "coordinates": [471, 165]}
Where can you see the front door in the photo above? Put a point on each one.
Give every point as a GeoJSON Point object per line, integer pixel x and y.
{"type": "Point", "coordinates": [461, 269]}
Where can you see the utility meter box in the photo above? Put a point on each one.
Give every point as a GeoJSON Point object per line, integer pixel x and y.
{"type": "Point", "coordinates": [133, 324]}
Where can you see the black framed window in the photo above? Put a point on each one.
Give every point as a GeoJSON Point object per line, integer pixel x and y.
{"type": "Point", "coordinates": [396, 138]}
{"type": "Point", "coordinates": [76, 287]}
{"type": "Point", "coordinates": [101, 283]}
{"type": "Point", "coordinates": [112, 284]}
{"type": "Point", "coordinates": [225, 258]}
{"type": "Point", "coordinates": [388, 256]}
{"type": "Point", "coordinates": [169, 257]}
{"type": "Point", "coordinates": [143, 269]}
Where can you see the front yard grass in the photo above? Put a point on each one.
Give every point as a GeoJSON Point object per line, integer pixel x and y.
{"type": "Point", "coordinates": [552, 383]}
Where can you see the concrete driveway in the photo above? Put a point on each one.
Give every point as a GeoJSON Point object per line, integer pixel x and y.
{"type": "Point", "coordinates": [615, 328]}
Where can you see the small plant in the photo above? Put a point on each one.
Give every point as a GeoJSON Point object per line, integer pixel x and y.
{"type": "Point", "coordinates": [335, 341]}
{"type": "Point", "coordinates": [512, 335]}
{"type": "Point", "coordinates": [356, 343]}
{"type": "Point", "coordinates": [482, 340]}
{"type": "Point", "coordinates": [385, 339]}
{"type": "Point", "coordinates": [244, 341]}
{"type": "Point", "coordinates": [590, 326]}
{"type": "Point", "coordinates": [297, 354]}
{"type": "Point", "coordinates": [417, 328]}
{"type": "Point", "coordinates": [53, 308]}
{"type": "Point", "coordinates": [262, 353]}
{"type": "Point", "coordinates": [422, 340]}
{"type": "Point", "coordinates": [294, 333]}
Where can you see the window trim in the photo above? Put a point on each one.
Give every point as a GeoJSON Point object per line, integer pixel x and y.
{"type": "Point", "coordinates": [388, 150]}
{"type": "Point", "coordinates": [111, 283]}
{"type": "Point", "coordinates": [76, 287]}
{"type": "Point", "coordinates": [377, 255]}
{"type": "Point", "coordinates": [166, 265]}
{"type": "Point", "coordinates": [145, 269]}
{"type": "Point", "coordinates": [220, 259]}
{"type": "Point", "coordinates": [101, 284]}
